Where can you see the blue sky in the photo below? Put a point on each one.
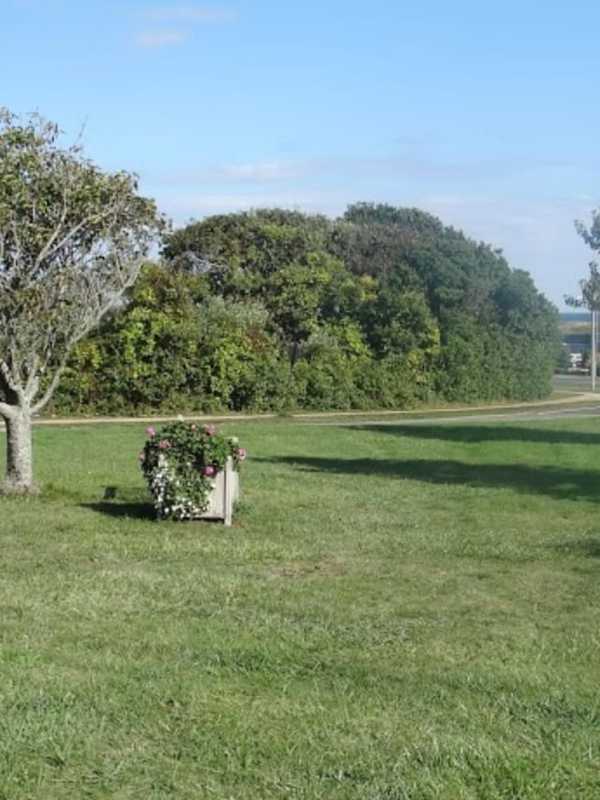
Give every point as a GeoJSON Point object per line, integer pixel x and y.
{"type": "Point", "coordinates": [484, 113]}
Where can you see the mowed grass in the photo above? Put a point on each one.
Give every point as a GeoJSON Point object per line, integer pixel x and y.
{"type": "Point", "coordinates": [399, 613]}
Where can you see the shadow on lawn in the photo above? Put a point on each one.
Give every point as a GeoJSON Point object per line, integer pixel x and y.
{"type": "Point", "coordinates": [129, 510]}
{"type": "Point", "coordinates": [558, 483]}
{"type": "Point", "coordinates": [467, 434]}
{"type": "Point", "coordinates": [584, 547]}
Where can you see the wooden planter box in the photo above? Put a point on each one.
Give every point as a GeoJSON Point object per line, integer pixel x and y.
{"type": "Point", "coordinates": [224, 496]}
{"type": "Point", "coordinates": [221, 500]}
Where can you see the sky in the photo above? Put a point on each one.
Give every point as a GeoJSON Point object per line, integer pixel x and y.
{"type": "Point", "coordinates": [483, 113]}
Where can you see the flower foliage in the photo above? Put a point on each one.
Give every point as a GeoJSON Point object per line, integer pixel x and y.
{"type": "Point", "coordinates": [180, 463]}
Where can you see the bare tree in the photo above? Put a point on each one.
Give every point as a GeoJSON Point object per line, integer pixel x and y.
{"type": "Point", "coordinates": [72, 240]}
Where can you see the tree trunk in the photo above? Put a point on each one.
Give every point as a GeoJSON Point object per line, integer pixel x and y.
{"type": "Point", "coordinates": [19, 453]}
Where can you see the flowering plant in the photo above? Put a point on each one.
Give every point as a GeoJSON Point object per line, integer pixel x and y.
{"type": "Point", "coordinates": [180, 463]}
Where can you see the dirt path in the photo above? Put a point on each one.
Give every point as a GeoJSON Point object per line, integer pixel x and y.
{"type": "Point", "coordinates": [506, 408]}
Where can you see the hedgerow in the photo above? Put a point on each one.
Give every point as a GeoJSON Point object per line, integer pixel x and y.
{"type": "Point", "coordinates": [274, 310]}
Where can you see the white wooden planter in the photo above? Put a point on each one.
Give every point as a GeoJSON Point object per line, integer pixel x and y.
{"type": "Point", "coordinates": [225, 494]}
{"type": "Point", "coordinates": [222, 498]}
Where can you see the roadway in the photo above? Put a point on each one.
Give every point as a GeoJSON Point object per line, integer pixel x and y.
{"type": "Point", "coordinates": [575, 383]}
{"type": "Point", "coordinates": [577, 401]}
{"type": "Point", "coordinates": [578, 410]}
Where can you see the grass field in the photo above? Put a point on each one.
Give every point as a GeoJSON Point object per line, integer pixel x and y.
{"type": "Point", "coordinates": [399, 613]}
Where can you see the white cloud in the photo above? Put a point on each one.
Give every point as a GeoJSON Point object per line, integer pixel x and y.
{"type": "Point", "coordinates": [193, 14]}
{"type": "Point", "coordinates": [155, 39]}
{"type": "Point", "coordinates": [258, 172]}
{"type": "Point", "coordinates": [262, 171]}
{"type": "Point", "coordinates": [370, 169]}
{"type": "Point", "coordinates": [182, 206]}
{"type": "Point", "coordinates": [183, 18]}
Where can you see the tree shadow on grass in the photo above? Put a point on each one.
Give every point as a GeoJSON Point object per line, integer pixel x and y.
{"type": "Point", "coordinates": [580, 547]}
{"type": "Point", "coordinates": [555, 482]}
{"type": "Point", "coordinates": [473, 434]}
{"type": "Point", "coordinates": [143, 511]}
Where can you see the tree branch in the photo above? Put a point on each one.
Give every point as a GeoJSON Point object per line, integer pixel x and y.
{"type": "Point", "coordinates": [84, 329]}
{"type": "Point", "coordinates": [55, 233]}
{"type": "Point", "coordinates": [54, 248]}
{"type": "Point", "coordinates": [51, 388]}
{"type": "Point", "coordinates": [71, 241]}
{"type": "Point", "coordinates": [8, 377]}
{"type": "Point", "coordinates": [6, 411]}
{"type": "Point", "coordinates": [16, 256]}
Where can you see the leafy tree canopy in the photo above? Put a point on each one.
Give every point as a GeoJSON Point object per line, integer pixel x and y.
{"type": "Point", "coordinates": [273, 308]}
{"type": "Point", "coordinates": [72, 239]}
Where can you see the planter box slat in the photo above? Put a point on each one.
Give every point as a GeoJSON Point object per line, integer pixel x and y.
{"type": "Point", "coordinates": [225, 494]}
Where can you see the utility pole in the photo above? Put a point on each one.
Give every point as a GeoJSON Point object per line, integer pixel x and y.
{"type": "Point", "coordinates": [590, 287]}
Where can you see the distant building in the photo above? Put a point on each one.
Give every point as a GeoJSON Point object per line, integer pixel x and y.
{"type": "Point", "coordinates": [577, 342]}
{"type": "Point", "coordinates": [576, 332]}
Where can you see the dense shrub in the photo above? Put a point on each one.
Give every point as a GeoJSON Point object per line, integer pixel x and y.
{"type": "Point", "coordinates": [276, 309]}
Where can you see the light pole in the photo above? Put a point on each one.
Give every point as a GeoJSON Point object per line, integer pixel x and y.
{"type": "Point", "coordinates": [590, 299]}
{"type": "Point", "coordinates": [594, 343]}
{"type": "Point", "coordinates": [581, 301]}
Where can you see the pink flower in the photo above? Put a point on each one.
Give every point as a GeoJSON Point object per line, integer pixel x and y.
{"type": "Point", "coordinates": [164, 444]}
{"type": "Point", "coordinates": [150, 431]}
{"type": "Point", "coordinates": [210, 430]}
{"type": "Point", "coordinates": [142, 456]}
{"type": "Point", "coordinates": [209, 471]}
{"type": "Point", "coordinates": [241, 453]}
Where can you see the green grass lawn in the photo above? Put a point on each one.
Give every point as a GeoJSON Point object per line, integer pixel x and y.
{"type": "Point", "coordinates": [399, 613]}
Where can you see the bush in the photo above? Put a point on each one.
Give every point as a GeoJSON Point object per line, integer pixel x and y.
{"type": "Point", "coordinates": [274, 310]}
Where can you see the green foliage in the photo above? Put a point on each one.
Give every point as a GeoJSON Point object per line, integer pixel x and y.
{"type": "Point", "coordinates": [498, 335]}
{"type": "Point", "coordinates": [563, 361]}
{"type": "Point", "coordinates": [174, 346]}
{"type": "Point", "coordinates": [328, 372]}
{"type": "Point", "coordinates": [72, 239]}
{"type": "Point", "coordinates": [144, 356]}
{"type": "Point", "coordinates": [257, 242]}
{"type": "Point", "coordinates": [275, 309]}
{"type": "Point", "coordinates": [239, 364]}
